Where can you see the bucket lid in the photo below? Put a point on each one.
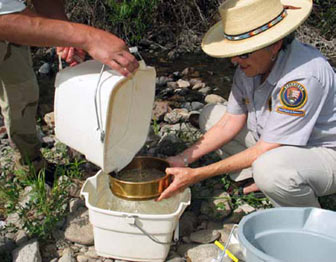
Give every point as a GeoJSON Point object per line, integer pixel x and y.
{"type": "Point", "coordinates": [109, 114]}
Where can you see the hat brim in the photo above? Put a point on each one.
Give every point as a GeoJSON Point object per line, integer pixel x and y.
{"type": "Point", "coordinates": [214, 44]}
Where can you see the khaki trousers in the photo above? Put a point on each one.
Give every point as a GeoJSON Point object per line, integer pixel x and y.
{"type": "Point", "coordinates": [19, 95]}
{"type": "Point", "coordinates": [288, 175]}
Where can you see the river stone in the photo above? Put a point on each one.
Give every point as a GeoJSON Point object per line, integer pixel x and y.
{"type": "Point", "coordinates": [21, 237]}
{"type": "Point", "coordinates": [29, 252]}
{"type": "Point", "coordinates": [214, 99]}
{"type": "Point", "coordinates": [182, 83]}
{"type": "Point", "coordinates": [176, 115]}
{"type": "Point", "coordinates": [78, 227]}
{"type": "Point", "coordinates": [196, 106]}
{"type": "Point", "coordinates": [172, 85]}
{"type": "Point", "coordinates": [205, 90]}
{"type": "Point", "coordinates": [82, 258]}
{"type": "Point", "coordinates": [67, 256]}
{"type": "Point", "coordinates": [205, 236]}
{"type": "Point", "coordinates": [198, 86]}
{"type": "Point", "coordinates": [203, 253]}
{"type": "Point", "coordinates": [175, 259]}
{"type": "Point", "coordinates": [160, 109]}
{"type": "Point", "coordinates": [91, 252]}
{"type": "Point", "coordinates": [49, 119]}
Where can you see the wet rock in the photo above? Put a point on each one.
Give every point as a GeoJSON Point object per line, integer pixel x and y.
{"type": "Point", "coordinates": [78, 227]}
{"type": "Point", "coordinates": [160, 109]}
{"type": "Point", "coordinates": [29, 252]}
{"type": "Point", "coordinates": [182, 83]}
{"type": "Point", "coordinates": [203, 253]}
{"type": "Point", "coordinates": [214, 99]}
{"type": "Point", "coordinates": [205, 236]}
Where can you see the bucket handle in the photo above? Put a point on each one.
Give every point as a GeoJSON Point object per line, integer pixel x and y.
{"type": "Point", "coordinates": [134, 50]}
{"type": "Point", "coordinates": [132, 220]}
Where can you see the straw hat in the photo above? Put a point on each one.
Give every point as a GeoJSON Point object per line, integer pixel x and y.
{"type": "Point", "coordinates": [249, 25]}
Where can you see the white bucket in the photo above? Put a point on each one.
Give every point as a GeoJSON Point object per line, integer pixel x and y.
{"type": "Point", "coordinates": [132, 236]}
{"type": "Point", "coordinates": [102, 114]}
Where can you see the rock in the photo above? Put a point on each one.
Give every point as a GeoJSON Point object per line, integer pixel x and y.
{"type": "Point", "coordinates": [7, 245]}
{"type": "Point", "coordinates": [225, 232]}
{"type": "Point", "coordinates": [45, 69]}
{"type": "Point", "coordinates": [205, 90]}
{"type": "Point", "coordinates": [188, 223]}
{"type": "Point", "coordinates": [78, 227]}
{"type": "Point", "coordinates": [29, 252]}
{"type": "Point", "coordinates": [21, 237]}
{"type": "Point", "coordinates": [49, 119]}
{"type": "Point", "coordinates": [236, 216]}
{"type": "Point", "coordinates": [205, 236]}
{"type": "Point", "coordinates": [196, 106]}
{"type": "Point", "coordinates": [182, 83]}
{"type": "Point", "coordinates": [176, 115]}
{"type": "Point", "coordinates": [76, 203]}
{"type": "Point", "coordinates": [82, 258]}
{"type": "Point", "coordinates": [162, 81]}
{"type": "Point", "coordinates": [183, 248]}
{"type": "Point", "coordinates": [91, 252]}
{"type": "Point", "coordinates": [67, 256]}
{"type": "Point", "coordinates": [160, 109]}
{"type": "Point", "coordinates": [198, 86]}
{"type": "Point", "coordinates": [175, 259]}
{"type": "Point", "coordinates": [203, 253]}
{"type": "Point", "coordinates": [214, 99]}
{"type": "Point", "coordinates": [217, 208]}
{"type": "Point", "coordinates": [247, 208]}
{"type": "Point", "coordinates": [172, 85]}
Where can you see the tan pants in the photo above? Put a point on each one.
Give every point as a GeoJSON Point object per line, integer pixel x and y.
{"type": "Point", "coordinates": [288, 175]}
{"type": "Point", "coordinates": [19, 95]}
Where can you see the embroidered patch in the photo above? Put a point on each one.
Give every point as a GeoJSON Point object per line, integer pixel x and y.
{"type": "Point", "coordinates": [293, 96]}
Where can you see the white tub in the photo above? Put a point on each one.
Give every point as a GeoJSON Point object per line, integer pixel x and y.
{"type": "Point", "coordinates": [128, 235]}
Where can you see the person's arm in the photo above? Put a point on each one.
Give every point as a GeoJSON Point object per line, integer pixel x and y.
{"type": "Point", "coordinates": [183, 177]}
{"type": "Point", "coordinates": [221, 133]}
{"type": "Point", "coordinates": [27, 28]}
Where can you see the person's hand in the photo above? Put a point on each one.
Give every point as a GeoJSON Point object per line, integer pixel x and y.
{"type": "Point", "coordinates": [176, 161]}
{"type": "Point", "coordinates": [111, 51]}
{"type": "Point", "coordinates": [182, 178]}
{"type": "Point", "coordinates": [71, 55]}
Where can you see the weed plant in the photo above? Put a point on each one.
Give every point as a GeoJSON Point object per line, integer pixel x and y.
{"type": "Point", "coordinates": [38, 207]}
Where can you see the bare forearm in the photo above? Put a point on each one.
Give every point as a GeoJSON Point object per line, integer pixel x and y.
{"type": "Point", "coordinates": [221, 133]}
{"type": "Point", "coordinates": [236, 162]}
{"type": "Point", "coordinates": [28, 29]}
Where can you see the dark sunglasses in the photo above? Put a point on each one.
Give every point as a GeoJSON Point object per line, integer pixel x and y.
{"type": "Point", "coordinates": [245, 56]}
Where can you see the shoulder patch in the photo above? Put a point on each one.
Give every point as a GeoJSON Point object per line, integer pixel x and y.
{"type": "Point", "coordinates": [293, 96]}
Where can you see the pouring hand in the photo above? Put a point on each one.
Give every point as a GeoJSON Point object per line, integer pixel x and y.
{"type": "Point", "coordinates": [71, 55]}
{"type": "Point", "coordinates": [182, 178]}
{"type": "Point", "coordinates": [112, 51]}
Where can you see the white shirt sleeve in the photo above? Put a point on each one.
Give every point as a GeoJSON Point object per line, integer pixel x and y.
{"type": "Point", "coordinates": [297, 106]}
{"type": "Point", "coordinates": [11, 6]}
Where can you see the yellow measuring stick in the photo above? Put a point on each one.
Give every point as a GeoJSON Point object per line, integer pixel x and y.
{"type": "Point", "coordinates": [230, 255]}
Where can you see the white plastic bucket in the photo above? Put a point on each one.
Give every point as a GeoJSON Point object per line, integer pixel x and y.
{"type": "Point", "coordinates": [289, 235]}
{"type": "Point", "coordinates": [102, 114]}
{"type": "Point", "coordinates": [131, 236]}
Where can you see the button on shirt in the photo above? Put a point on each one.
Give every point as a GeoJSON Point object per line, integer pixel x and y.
{"type": "Point", "coordinates": [11, 6]}
{"type": "Point", "coordinates": [295, 105]}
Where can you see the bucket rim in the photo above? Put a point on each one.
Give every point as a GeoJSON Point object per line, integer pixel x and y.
{"type": "Point", "coordinates": [246, 243]}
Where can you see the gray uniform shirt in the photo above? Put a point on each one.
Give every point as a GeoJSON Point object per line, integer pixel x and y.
{"type": "Point", "coordinates": [11, 6]}
{"type": "Point", "coordinates": [296, 104]}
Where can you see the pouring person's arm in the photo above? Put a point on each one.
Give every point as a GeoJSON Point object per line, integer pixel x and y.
{"type": "Point", "coordinates": [28, 28]}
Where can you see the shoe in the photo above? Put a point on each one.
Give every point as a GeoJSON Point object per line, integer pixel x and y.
{"type": "Point", "coordinates": [194, 120]}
